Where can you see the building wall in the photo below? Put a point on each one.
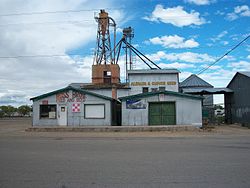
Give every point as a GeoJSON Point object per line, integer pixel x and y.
{"type": "Point", "coordinates": [188, 111]}
{"type": "Point", "coordinates": [108, 92]}
{"type": "Point", "coordinates": [36, 120]}
{"type": "Point", "coordinates": [208, 99]}
{"type": "Point", "coordinates": [137, 81]}
{"type": "Point", "coordinates": [237, 105]}
{"type": "Point", "coordinates": [73, 118]}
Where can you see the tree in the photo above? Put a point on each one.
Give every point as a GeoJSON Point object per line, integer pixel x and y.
{"type": "Point", "coordinates": [24, 110]}
{"type": "Point", "coordinates": [8, 110]}
{"type": "Point", "coordinates": [1, 112]}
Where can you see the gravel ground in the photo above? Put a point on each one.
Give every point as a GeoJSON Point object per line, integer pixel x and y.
{"type": "Point", "coordinates": [17, 126]}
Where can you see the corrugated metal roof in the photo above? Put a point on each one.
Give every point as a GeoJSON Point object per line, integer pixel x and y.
{"type": "Point", "coordinates": [207, 90]}
{"type": "Point", "coordinates": [99, 86]}
{"type": "Point", "coordinates": [148, 94]}
{"type": "Point", "coordinates": [245, 73]}
{"type": "Point", "coordinates": [194, 81]}
{"type": "Point", "coordinates": [70, 88]}
{"type": "Point", "coordinates": [153, 71]}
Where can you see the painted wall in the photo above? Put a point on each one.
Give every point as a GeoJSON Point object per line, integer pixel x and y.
{"type": "Point", "coordinates": [169, 81]}
{"type": "Point", "coordinates": [73, 118]}
{"type": "Point", "coordinates": [188, 111]}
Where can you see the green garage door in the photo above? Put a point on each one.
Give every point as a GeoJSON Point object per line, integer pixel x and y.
{"type": "Point", "coordinates": [162, 113]}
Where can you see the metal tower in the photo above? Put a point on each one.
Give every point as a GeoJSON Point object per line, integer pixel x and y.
{"type": "Point", "coordinates": [103, 52]}
{"type": "Point", "coordinates": [128, 34]}
{"type": "Point", "coordinates": [105, 70]}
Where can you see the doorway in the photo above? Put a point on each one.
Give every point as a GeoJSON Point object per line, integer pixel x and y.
{"type": "Point", "coordinates": [163, 113]}
{"type": "Point", "coordinates": [62, 115]}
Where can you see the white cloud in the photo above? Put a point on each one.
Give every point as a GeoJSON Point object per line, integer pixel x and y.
{"type": "Point", "coordinates": [176, 65]}
{"type": "Point", "coordinates": [219, 36]}
{"type": "Point", "coordinates": [218, 78]}
{"type": "Point", "coordinates": [200, 2]}
{"type": "Point", "coordinates": [214, 67]}
{"type": "Point", "coordinates": [183, 75]}
{"type": "Point", "coordinates": [224, 43]}
{"type": "Point", "coordinates": [174, 41]}
{"type": "Point", "coordinates": [248, 57]}
{"type": "Point", "coordinates": [183, 57]}
{"type": "Point", "coordinates": [176, 16]}
{"type": "Point", "coordinates": [240, 66]}
{"type": "Point", "coordinates": [64, 33]}
{"type": "Point", "coordinates": [218, 12]}
{"type": "Point", "coordinates": [239, 11]}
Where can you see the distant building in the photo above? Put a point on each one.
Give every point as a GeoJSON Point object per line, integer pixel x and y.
{"type": "Point", "coordinates": [237, 104]}
{"type": "Point", "coordinates": [196, 86]}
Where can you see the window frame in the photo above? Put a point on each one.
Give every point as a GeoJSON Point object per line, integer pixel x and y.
{"type": "Point", "coordinates": [145, 89]}
{"type": "Point", "coordinates": [99, 104]}
{"type": "Point", "coordinates": [47, 117]}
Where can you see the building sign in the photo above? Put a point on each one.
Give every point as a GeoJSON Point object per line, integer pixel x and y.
{"type": "Point", "coordinates": [135, 104]}
{"type": "Point", "coordinates": [152, 83]}
{"type": "Point", "coordinates": [76, 107]}
{"type": "Point", "coordinates": [73, 96]}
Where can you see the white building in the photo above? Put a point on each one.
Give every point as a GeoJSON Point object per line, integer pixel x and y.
{"type": "Point", "coordinates": [151, 97]}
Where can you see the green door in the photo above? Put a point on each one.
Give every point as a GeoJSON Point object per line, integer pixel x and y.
{"type": "Point", "coordinates": [162, 113]}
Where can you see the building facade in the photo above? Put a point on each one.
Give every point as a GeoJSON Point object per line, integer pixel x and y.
{"type": "Point", "coordinates": [161, 108]}
{"type": "Point", "coordinates": [73, 107]}
{"type": "Point", "coordinates": [143, 81]}
{"type": "Point", "coordinates": [151, 97]}
{"type": "Point", "coordinates": [139, 81]}
{"type": "Point", "coordinates": [237, 104]}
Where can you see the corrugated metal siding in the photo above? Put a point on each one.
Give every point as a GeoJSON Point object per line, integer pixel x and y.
{"type": "Point", "coordinates": [238, 104]}
{"type": "Point", "coordinates": [245, 73]}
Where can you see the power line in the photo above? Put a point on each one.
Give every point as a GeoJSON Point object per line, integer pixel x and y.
{"type": "Point", "coordinates": [41, 56]}
{"type": "Point", "coordinates": [216, 61]}
{"type": "Point", "coordinates": [55, 12]}
{"type": "Point", "coordinates": [56, 22]}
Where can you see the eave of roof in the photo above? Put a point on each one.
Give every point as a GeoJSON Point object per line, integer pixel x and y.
{"type": "Point", "coordinates": [87, 86]}
{"type": "Point", "coordinates": [207, 90]}
{"type": "Point", "coordinates": [67, 89]}
{"type": "Point", "coordinates": [154, 71]}
{"type": "Point", "coordinates": [247, 74]}
{"type": "Point", "coordinates": [143, 95]}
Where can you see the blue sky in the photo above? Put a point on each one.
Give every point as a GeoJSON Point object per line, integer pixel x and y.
{"type": "Point", "coordinates": [183, 34]}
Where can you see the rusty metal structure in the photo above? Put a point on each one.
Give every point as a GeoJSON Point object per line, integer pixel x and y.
{"type": "Point", "coordinates": [104, 68]}
{"type": "Point", "coordinates": [104, 53]}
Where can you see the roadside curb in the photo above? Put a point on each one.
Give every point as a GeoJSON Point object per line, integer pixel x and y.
{"type": "Point", "coordinates": [114, 129]}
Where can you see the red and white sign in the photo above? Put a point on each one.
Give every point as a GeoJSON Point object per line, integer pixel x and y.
{"type": "Point", "coordinates": [76, 107]}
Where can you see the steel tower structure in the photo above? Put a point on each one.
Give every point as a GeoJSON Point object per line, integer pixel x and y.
{"type": "Point", "coordinates": [105, 70]}
{"type": "Point", "coordinates": [103, 52]}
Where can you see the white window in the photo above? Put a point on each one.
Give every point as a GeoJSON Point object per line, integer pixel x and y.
{"type": "Point", "coordinates": [94, 111]}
